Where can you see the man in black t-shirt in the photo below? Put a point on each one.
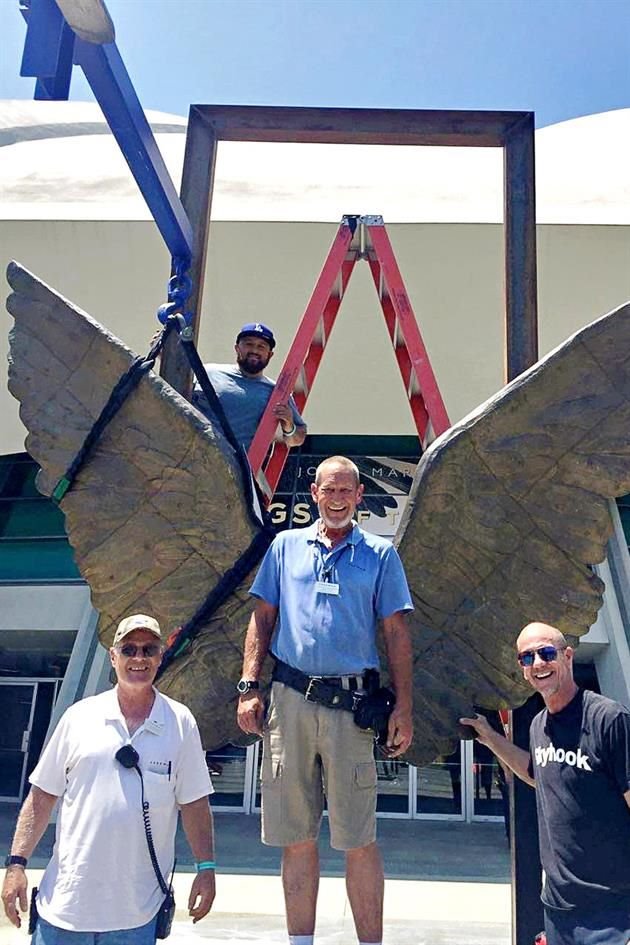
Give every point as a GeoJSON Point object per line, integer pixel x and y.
{"type": "Point", "coordinates": [579, 763]}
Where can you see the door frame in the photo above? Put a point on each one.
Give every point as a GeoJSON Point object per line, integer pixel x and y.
{"type": "Point", "coordinates": [34, 682]}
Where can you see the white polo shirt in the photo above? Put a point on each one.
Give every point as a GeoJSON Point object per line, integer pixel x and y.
{"type": "Point", "coordinates": [100, 877]}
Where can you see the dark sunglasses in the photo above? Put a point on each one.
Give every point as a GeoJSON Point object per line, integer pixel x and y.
{"type": "Point", "coordinates": [148, 650]}
{"type": "Point", "coordinates": [547, 654]}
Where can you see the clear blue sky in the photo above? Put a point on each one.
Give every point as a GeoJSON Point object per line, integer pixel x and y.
{"type": "Point", "coordinates": [560, 58]}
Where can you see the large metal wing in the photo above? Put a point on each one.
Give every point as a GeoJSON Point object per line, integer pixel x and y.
{"type": "Point", "coordinates": [157, 514]}
{"type": "Point", "coordinates": [507, 512]}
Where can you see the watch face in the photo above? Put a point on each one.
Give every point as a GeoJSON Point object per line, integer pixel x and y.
{"type": "Point", "coordinates": [245, 685]}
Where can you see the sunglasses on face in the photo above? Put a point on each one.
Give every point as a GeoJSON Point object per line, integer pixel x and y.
{"type": "Point", "coordinates": [547, 654]}
{"type": "Point", "coordinates": [147, 650]}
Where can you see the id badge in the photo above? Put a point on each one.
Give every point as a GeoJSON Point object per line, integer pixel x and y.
{"type": "Point", "coordinates": [327, 587]}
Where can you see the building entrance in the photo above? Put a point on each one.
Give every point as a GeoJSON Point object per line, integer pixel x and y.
{"type": "Point", "coordinates": [460, 787]}
{"type": "Point", "coordinates": [25, 709]}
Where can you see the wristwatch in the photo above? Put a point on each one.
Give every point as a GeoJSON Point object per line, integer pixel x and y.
{"type": "Point", "coordinates": [13, 860]}
{"type": "Point", "coordinates": [246, 685]}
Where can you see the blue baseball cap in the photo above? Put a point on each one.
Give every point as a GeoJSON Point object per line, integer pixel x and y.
{"type": "Point", "coordinates": [257, 330]}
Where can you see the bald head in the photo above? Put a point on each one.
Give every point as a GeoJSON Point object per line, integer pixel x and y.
{"type": "Point", "coordinates": [550, 671]}
{"type": "Point", "coordinates": [539, 633]}
{"type": "Point", "coordinates": [336, 462]}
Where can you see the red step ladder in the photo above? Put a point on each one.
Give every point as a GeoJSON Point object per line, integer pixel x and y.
{"type": "Point", "coordinates": [358, 237]}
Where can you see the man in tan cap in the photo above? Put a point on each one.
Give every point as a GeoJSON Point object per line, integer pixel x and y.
{"type": "Point", "coordinates": [100, 878]}
{"type": "Point", "coordinates": [136, 622]}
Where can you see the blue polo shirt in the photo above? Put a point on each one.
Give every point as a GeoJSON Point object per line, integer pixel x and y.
{"type": "Point", "coordinates": [330, 634]}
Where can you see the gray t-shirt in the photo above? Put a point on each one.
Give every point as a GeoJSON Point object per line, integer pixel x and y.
{"type": "Point", "coordinates": [243, 399]}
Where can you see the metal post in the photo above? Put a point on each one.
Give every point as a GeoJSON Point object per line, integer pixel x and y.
{"type": "Point", "coordinates": [521, 351]}
{"type": "Point", "coordinates": [109, 80]}
{"type": "Point", "coordinates": [196, 196]}
{"type": "Point", "coordinates": [521, 311]}
{"type": "Point", "coordinates": [527, 910]}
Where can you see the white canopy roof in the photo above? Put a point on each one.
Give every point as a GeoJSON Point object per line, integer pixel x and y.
{"type": "Point", "coordinates": [58, 160]}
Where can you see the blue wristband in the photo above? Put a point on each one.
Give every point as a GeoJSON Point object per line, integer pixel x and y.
{"type": "Point", "coordinates": [205, 865]}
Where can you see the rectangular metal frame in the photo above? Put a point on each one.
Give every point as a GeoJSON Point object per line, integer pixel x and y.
{"type": "Point", "coordinates": [511, 131]}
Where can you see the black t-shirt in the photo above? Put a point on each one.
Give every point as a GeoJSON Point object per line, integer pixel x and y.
{"type": "Point", "coordinates": [580, 760]}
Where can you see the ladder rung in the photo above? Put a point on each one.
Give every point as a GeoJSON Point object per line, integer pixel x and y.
{"type": "Point", "coordinates": [320, 333]}
{"type": "Point", "coordinates": [303, 383]}
{"type": "Point", "coordinates": [263, 483]}
{"type": "Point", "coordinates": [429, 436]}
{"type": "Point", "coordinates": [397, 340]}
{"type": "Point", "coordinates": [338, 288]}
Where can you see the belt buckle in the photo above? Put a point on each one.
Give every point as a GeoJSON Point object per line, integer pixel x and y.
{"type": "Point", "coordinates": [309, 695]}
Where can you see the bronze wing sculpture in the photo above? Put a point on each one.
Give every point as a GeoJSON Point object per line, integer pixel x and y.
{"type": "Point", "coordinates": [507, 513]}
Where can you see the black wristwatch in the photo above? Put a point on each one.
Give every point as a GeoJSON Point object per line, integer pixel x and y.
{"type": "Point", "coordinates": [244, 686]}
{"type": "Point", "coordinates": [12, 860]}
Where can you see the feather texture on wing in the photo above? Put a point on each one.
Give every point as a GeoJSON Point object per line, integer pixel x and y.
{"type": "Point", "coordinates": [157, 514]}
{"type": "Point", "coordinates": [507, 512]}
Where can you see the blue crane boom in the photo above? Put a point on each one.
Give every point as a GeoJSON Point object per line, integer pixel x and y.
{"type": "Point", "coordinates": [51, 47]}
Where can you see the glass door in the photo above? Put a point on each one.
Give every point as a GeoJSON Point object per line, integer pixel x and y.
{"type": "Point", "coordinates": [396, 784]}
{"type": "Point", "coordinates": [439, 794]}
{"type": "Point", "coordinates": [17, 707]}
{"type": "Point", "coordinates": [228, 767]}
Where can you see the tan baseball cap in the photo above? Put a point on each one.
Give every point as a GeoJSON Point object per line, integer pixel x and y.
{"type": "Point", "coordinates": [137, 622]}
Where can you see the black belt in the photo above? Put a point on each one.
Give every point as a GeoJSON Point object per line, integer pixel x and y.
{"type": "Point", "coordinates": [325, 690]}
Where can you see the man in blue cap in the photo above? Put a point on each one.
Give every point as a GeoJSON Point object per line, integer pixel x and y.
{"type": "Point", "coordinates": [244, 391]}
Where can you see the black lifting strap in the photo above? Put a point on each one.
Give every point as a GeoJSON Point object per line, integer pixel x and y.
{"type": "Point", "coordinates": [187, 342]}
{"type": "Point", "coordinates": [254, 500]}
{"type": "Point", "coordinates": [126, 384]}
{"type": "Point", "coordinates": [259, 517]}
{"type": "Point", "coordinates": [265, 532]}
{"type": "Point", "coordinates": [228, 582]}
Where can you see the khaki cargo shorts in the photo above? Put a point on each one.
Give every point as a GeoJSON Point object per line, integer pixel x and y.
{"type": "Point", "coordinates": [310, 751]}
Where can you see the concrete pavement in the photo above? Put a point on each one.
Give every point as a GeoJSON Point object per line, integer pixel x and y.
{"type": "Point", "coordinates": [447, 884]}
{"type": "Point", "coordinates": [250, 909]}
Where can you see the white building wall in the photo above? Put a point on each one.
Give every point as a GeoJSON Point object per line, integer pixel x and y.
{"type": "Point", "coordinates": [266, 271]}
{"type": "Point", "coordinates": [45, 607]}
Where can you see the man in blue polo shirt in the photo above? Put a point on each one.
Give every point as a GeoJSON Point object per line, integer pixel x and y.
{"type": "Point", "coordinates": [321, 592]}
{"type": "Point", "coordinates": [244, 391]}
